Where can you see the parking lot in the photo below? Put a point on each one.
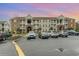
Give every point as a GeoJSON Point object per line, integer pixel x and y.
{"type": "Point", "coordinates": [50, 47]}
{"type": "Point", "coordinates": [42, 47]}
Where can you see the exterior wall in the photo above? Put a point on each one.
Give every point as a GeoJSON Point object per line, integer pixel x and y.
{"type": "Point", "coordinates": [42, 23]}
{"type": "Point", "coordinates": [4, 26]}
{"type": "Point", "coordinates": [72, 24]}
{"type": "Point", "coordinates": [18, 25]}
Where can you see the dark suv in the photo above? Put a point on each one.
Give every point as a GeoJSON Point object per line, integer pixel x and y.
{"type": "Point", "coordinates": [2, 37]}
{"type": "Point", "coordinates": [64, 34]}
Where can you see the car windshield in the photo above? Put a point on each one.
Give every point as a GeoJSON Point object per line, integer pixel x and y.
{"type": "Point", "coordinates": [44, 33]}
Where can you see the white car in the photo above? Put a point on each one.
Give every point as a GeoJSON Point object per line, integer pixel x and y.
{"type": "Point", "coordinates": [49, 34]}
{"type": "Point", "coordinates": [31, 35]}
{"type": "Point", "coordinates": [54, 35]}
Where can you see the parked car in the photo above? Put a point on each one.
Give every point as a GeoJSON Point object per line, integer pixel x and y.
{"type": "Point", "coordinates": [2, 37]}
{"type": "Point", "coordinates": [64, 34]}
{"type": "Point", "coordinates": [7, 34]}
{"type": "Point", "coordinates": [31, 35]}
{"type": "Point", "coordinates": [54, 35]}
{"type": "Point", "coordinates": [76, 33]}
{"type": "Point", "coordinates": [72, 32]}
{"type": "Point", "coordinates": [49, 34]}
{"type": "Point", "coordinates": [44, 35]}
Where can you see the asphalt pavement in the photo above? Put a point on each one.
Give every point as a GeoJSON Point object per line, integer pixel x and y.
{"type": "Point", "coordinates": [50, 47]}
{"type": "Point", "coordinates": [7, 48]}
{"type": "Point", "coordinates": [40, 47]}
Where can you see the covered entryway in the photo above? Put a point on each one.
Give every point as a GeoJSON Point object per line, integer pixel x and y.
{"type": "Point", "coordinates": [29, 28]}
{"type": "Point", "coordinates": [60, 27]}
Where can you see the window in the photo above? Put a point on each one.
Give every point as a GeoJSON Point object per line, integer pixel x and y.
{"type": "Point", "coordinates": [20, 20]}
{"type": "Point", "coordinates": [54, 29]}
{"type": "Point", "coordinates": [49, 25]}
{"type": "Point", "coordinates": [33, 20]}
{"type": "Point", "coordinates": [49, 20]}
{"type": "Point", "coordinates": [40, 25]}
{"type": "Point", "coordinates": [29, 21]}
{"type": "Point", "coordinates": [60, 20]}
{"type": "Point", "coordinates": [46, 20]}
{"type": "Point", "coordinates": [37, 20]}
{"type": "Point", "coordinates": [2, 24]}
{"type": "Point", "coordinates": [57, 21]}
{"type": "Point", "coordinates": [54, 20]}
{"type": "Point", "coordinates": [43, 25]}
{"type": "Point", "coordinates": [46, 30]}
{"type": "Point", "coordinates": [46, 25]}
{"type": "Point", "coordinates": [37, 24]}
{"type": "Point", "coordinates": [54, 24]}
{"type": "Point", "coordinates": [2, 29]}
{"type": "Point", "coordinates": [43, 20]}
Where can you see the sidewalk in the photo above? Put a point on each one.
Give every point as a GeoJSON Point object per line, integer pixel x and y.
{"type": "Point", "coordinates": [19, 35]}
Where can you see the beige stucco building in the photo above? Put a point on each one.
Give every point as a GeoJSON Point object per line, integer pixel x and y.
{"type": "Point", "coordinates": [29, 23]}
{"type": "Point", "coordinates": [4, 26]}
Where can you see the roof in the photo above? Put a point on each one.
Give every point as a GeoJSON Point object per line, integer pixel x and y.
{"type": "Point", "coordinates": [1, 22]}
{"type": "Point", "coordinates": [44, 18]}
{"type": "Point", "coordinates": [36, 18]}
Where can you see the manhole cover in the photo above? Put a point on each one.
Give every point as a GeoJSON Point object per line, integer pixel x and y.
{"type": "Point", "coordinates": [61, 49]}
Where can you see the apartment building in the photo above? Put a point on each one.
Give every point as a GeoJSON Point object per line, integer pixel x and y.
{"type": "Point", "coordinates": [43, 24]}
{"type": "Point", "coordinates": [4, 26]}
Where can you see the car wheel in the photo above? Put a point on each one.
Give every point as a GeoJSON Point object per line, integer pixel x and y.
{"type": "Point", "coordinates": [28, 39]}
{"type": "Point", "coordinates": [4, 39]}
{"type": "Point", "coordinates": [57, 37]}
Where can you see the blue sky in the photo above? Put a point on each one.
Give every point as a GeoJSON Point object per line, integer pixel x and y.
{"type": "Point", "coordinates": [10, 10]}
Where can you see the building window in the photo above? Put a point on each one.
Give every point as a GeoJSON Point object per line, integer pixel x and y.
{"type": "Point", "coordinates": [40, 25]}
{"type": "Point", "coordinates": [37, 24]}
{"type": "Point", "coordinates": [37, 20]}
{"type": "Point", "coordinates": [49, 25]}
{"type": "Point", "coordinates": [33, 20]}
{"type": "Point", "coordinates": [3, 29]}
{"type": "Point", "coordinates": [60, 20]}
{"type": "Point", "coordinates": [46, 25]}
{"type": "Point", "coordinates": [57, 21]}
{"type": "Point", "coordinates": [43, 20]}
{"type": "Point", "coordinates": [2, 24]}
{"type": "Point", "coordinates": [54, 24]}
{"type": "Point", "coordinates": [49, 20]}
{"type": "Point", "coordinates": [54, 20]}
{"type": "Point", "coordinates": [43, 25]}
{"type": "Point", "coordinates": [54, 29]}
{"type": "Point", "coordinates": [28, 20]}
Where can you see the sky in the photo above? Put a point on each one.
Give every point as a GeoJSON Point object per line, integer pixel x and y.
{"type": "Point", "coordinates": [10, 10]}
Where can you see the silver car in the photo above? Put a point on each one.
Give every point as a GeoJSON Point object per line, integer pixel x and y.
{"type": "Point", "coordinates": [31, 35]}
{"type": "Point", "coordinates": [54, 35]}
{"type": "Point", "coordinates": [44, 35]}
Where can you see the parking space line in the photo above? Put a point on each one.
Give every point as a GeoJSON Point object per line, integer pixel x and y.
{"type": "Point", "coordinates": [18, 49]}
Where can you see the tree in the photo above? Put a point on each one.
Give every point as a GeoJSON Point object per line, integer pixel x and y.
{"type": "Point", "coordinates": [18, 30]}
{"type": "Point", "coordinates": [70, 29]}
